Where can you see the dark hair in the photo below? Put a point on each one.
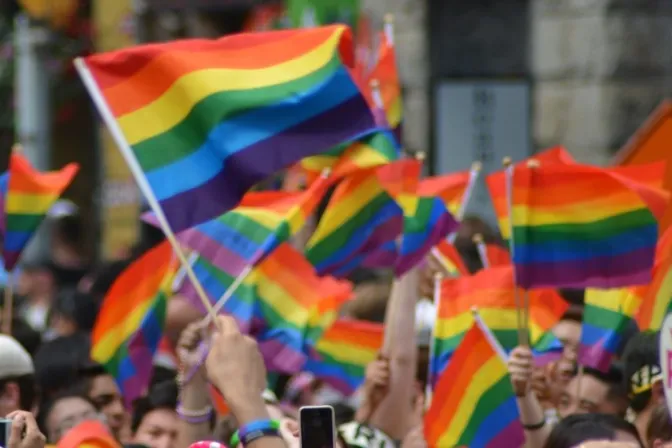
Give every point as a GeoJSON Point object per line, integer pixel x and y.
{"type": "Point", "coordinates": [77, 306]}
{"type": "Point", "coordinates": [159, 396]}
{"type": "Point", "coordinates": [25, 335]}
{"type": "Point", "coordinates": [660, 425]}
{"type": "Point", "coordinates": [87, 372]}
{"type": "Point", "coordinates": [576, 429]}
{"type": "Point", "coordinates": [48, 405]}
{"type": "Point", "coordinates": [640, 351]}
{"type": "Point", "coordinates": [28, 395]}
{"type": "Point", "coordinates": [613, 377]}
{"type": "Point", "coordinates": [57, 362]}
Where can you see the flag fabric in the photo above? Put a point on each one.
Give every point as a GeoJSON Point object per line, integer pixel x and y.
{"type": "Point", "coordinates": [282, 303]}
{"type": "Point", "coordinates": [343, 352]}
{"type": "Point", "coordinates": [30, 194]}
{"type": "Point", "coordinates": [389, 87]}
{"type": "Point", "coordinates": [371, 151]}
{"type": "Point", "coordinates": [492, 292]}
{"type": "Point", "coordinates": [208, 119]}
{"type": "Point", "coordinates": [243, 236]}
{"type": "Point", "coordinates": [473, 404]}
{"type": "Point", "coordinates": [581, 226]}
{"type": "Point", "coordinates": [497, 255]}
{"type": "Point", "coordinates": [426, 222]}
{"type": "Point", "coordinates": [451, 188]}
{"type": "Point", "coordinates": [446, 253]}
{"type": "Point", "coordinates": [496, 183]}
{"type": "Point", "coordinates": [4, 185]}
{"type": "Point", "coordinates": [607, 314]}
{"type": "Point", "coordinates": [360, 218]}
{"type": "Point", "coordinates": [130, 323]}
{"type": "Point", "coordinates": [547, 349]}
{"type": "Point", "coordinates": [657, 296]}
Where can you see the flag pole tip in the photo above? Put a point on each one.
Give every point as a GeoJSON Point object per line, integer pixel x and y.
{"type": "Point", "coordinates": [420, 156]}
{"type": "Point", "coordinates": [17, 147]}
{"type": "Point", "coordinates": [389, 18]}
{"type": "Point", "coordinates": [533, 163]}
{"type": "Point", "coordinates": [374, 83]}
{"type": "Point", "coordinates": [326, 172]}
{"type": "Point", "coordinates": [477, 238]}
{"type": "Point", "coordinates": [476, 166]}
{"type": "Point", "coordinates": [506, 161]}
{"type": "Point", "coordinates": [474, 310]}
{"type": "Point", "coordinates": [438, 276]}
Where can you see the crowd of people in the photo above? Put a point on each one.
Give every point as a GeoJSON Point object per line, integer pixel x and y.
{"type": "Point", "coordinates": [49, 387]}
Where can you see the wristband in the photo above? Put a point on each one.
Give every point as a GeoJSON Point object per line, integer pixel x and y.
{"type": "Point", "coordinates": [255, 430]}
{"type": "Point", "coordinates": [194, 417]}
{"type": "Point", "coordinates": [535, 426]}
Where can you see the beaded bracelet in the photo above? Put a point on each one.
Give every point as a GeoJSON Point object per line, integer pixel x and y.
{"type": "Point", "coordinates": [194, 417]}
{"type": "Point", "coordinates": [255, 430]}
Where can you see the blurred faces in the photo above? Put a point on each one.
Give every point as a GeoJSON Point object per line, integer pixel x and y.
{"type": "Point", "coordinates": [158, 429]}
{"type": "Point", "coordinates": [569, 332]}
{"type": "Point", "coordinates": [66, 414]}
{"type": "Point", "coordinates": [586, 394]}
{"type": "Point", "coordinates": [106, 396]}
{"type": "Point", "coordinates": [9, 398]}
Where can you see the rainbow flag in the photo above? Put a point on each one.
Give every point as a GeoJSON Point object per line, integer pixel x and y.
{"type": "Point", "coordinates": [371, 151]}
{"type": "Point", "coordinates": [427, 221]}
{"type": "Point", "coordinates": [547, 349]}
{"type": "Point", "coordinates": [583, 226]}
{"type": "Point", "coordinates": [282, 303]}
{"type": "Point", "coordinates": [493, 293]}
{"type": "Point", "coordinates": [657, 296]}
{"type": "Point", "coordinates": [4, 185]}
{"type": "Point", "coordinates": [447, 254]}
{"type": "Point", "coordinates": [474, 404]}
{"type": "Point", "coordinates": [497, 255]}
{"type": "Point", "coordinates": [385, 72]}
{"type": "Point", "coordinates": [343, 352]}
{"type": "Point", "coordinates": [496, 183]}
{"type": "Point", "coordinates": [29, 196]}
{"type": "Point", "coordinates": [606, 316]}
{"type": "Point", "coordinates": [360, 218]}
{"type": "Point", "coordinates": [208, 119]}
{"type": "Point", "coordinates": [243, 236]}
{"type": "Point", "coordinates": [451, 188]}
{"type": "Point", "coordinates": [130, 323]}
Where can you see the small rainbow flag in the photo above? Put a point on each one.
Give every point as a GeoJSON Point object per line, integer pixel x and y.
{"type": "Point", "coordinates": [451, 260]}
{"type": "Point", "coordinates": [282, 303]}
{"type": "Point", "coordinates": [30, 194]}
{"type": "Point", "coordinates": [581, 226]}
{"type": "Point", "coordinates": [496, 183]}
{"type": "Point", "coordinates": [371, 151]}
{"type": "Point", "coordinates": [473, 403]}
{"type": "Point", "coordinates": [130, 323]}
{"type": "Point", "coordinates": [493, 293]}
{"type": "Point", "coordinates": [343, 352]}
{"type": "Point", "coordinates": [385, 72]}
{"type": "Point", "coordinates": [606, 316]}
{"type": "Point", "coordinates": [451, 188]}
{"type": "Point", "coordinates": [360, 218]}
{"type": "Point", "coordinates": [427, 221]}
{"type": "Point", "coordinates": [243, 236]}
{"type": "Point", "coordinates": [208, 119]}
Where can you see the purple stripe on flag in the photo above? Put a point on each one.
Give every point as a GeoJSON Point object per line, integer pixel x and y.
{"type": "Point", "coordinates": [629, 269]}
{"type": "Point", "coordinates": [595, 356]}
{"type": "Point", "coordinates": [281, 358]}
{"type": "Point", "coordinates": [443, 227]}
{"type": "Point", "coordinates": [224, 191]}
{"type": "Point", "coordinates": [513, 436]}
{"type": "Point", "coordinates": [217, 254]}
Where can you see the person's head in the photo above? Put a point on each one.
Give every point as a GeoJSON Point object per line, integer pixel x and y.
{"type": "Point", "coordinates": [100, 387]}
{"type": "Point", "coordinates": [568, 329]}
{"type": "Point", "coordinates": [17, 380]}
{"type": "Point", "coordinates": [659, 431]}
{"type": "Point", "coordinates": [72, 311]}
{"type": "Point", "coordinates": [576, 429]}
{"type": "Point", "coordinates": [63, 412]}
{"type": "Point", "coordinates": [57, 361]}
{"type": "Point", "coordinates": [155, 421]}
{"type": "Point", "coordinates": [592, 391]}
{"type": "Point", "coordinates": [36, 281]}
{"type": "Point", "coordinates": [642, 372]}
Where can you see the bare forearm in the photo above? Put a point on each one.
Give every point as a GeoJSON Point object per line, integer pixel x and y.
{"type": "Point", "coordinates": [194, 397]}
{"type": "Point", "coordinates": [393, 414]}
{"type": "Point", "coordinates": [532, 414]}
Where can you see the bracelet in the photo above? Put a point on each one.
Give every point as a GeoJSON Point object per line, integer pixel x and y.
{"type": "Point", "coordinates": [202, 355]}
{"type": "Point", "coordinates": [194, 417]}
{"type": "Point", "coordinates": [255, 430]}
{"type": "Point", "coordinates": [536, 426]}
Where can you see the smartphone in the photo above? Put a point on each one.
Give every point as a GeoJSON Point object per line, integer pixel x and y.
{"type": "Point", "coordinates": [5, 428]}
{"type": "Point", "coordinates": [318, 427]}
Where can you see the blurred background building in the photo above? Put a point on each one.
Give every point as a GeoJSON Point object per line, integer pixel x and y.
{"type": "Point", "coordinates": [482, 79]}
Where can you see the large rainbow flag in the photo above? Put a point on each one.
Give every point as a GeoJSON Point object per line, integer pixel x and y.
{"type": "Point", "coordinates": [583, 226]}
{"type": "Point", "coordinates": [657, 296]}
{"type": "Point", "coordinates": [451, 188]}
{"type": "Point", "coordinates": [130, 323]}
{"type": "Point", "coordinates": [474, 404]}
{"type": "Point", "coordinates": [343, 352]}
{"type": "Point", "coordinates": [208, 119]}
{"type": "Point", "coordinates": [30, 194]}
{"type": "Point", "coordinates": [493, 293]}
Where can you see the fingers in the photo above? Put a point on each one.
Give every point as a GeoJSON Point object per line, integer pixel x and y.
{"type": "Point", "coordinates": [16, 431]}
{"type": "Point", "coordinates": [226, 326]}
{"type": "Point", "coordinates": [34, 436]}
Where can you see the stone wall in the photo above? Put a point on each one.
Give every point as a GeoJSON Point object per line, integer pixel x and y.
{"type": "Point", "coordinates": [411, 45]}
{"type": "Point", "coordinates": [600, 67]}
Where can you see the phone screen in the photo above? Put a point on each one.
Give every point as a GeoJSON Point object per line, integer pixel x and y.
{"type": "Point", "coordinates": [5, 426]}
{"type": "Point", "coordinates": [317, 427]}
